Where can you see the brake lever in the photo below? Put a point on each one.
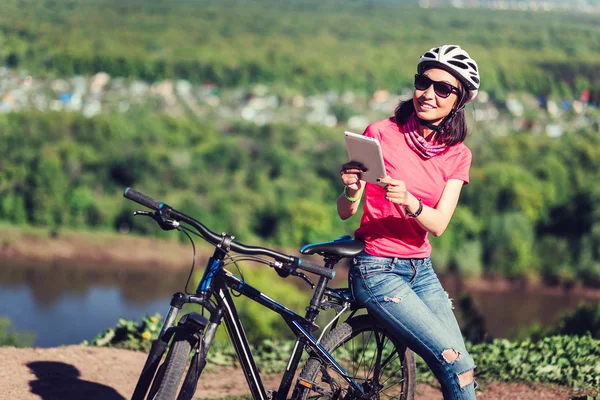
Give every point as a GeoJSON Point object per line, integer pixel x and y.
{"type": "Point", "coordinates": [160, 217]}
{"type": "Point", "coordinates": [306, 278]}
{"type": "Point", "coordinates": [284, 270]}
{"type": "Point", "coordinates": [143, 213]}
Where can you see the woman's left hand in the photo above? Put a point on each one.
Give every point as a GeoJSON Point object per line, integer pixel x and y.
{"type": "Point", "coordinates": [395, 190]}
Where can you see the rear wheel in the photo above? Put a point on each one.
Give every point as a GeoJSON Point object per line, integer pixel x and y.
{"type": "Point", "coordinates": [381, 365]}
{"type": "Point", "coordinates": [168, 379]}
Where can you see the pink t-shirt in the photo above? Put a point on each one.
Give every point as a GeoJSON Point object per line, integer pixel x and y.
{"type": "Point", "coordinates": [384, 226]}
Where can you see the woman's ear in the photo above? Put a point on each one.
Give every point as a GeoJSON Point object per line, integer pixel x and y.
{"type": "Point", "coordinates": [460, 99]}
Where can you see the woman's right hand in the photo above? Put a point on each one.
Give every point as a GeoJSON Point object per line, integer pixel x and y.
{"type": "Point", "coordinates": [351, 173]}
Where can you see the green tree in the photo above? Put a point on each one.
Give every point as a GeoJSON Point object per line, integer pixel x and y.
{"type": "Point", "coordinates": [47, 192]}
{"type": "Point", "coordinates": [509, 245]}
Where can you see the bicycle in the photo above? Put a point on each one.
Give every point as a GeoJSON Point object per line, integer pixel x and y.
{"type": "Point", "coordinates": [353, 359]}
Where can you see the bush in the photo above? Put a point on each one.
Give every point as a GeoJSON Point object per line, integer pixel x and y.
{"type": "Point", "coordinates": [129, 334]}
{"type": "Point", "coordinates": [573, 361]}
{"type": "Point", "coordinates": [584, 320]}
{"type": "Point", "coordinates": [8, 337]}
{"type": "Point", "coordinates": [562, 360]}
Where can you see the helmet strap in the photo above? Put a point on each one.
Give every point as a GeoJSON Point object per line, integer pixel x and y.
{"type": "Point", "coordinates": [439, 128]}
{"type": "Point", "coordinates": [436, 128]}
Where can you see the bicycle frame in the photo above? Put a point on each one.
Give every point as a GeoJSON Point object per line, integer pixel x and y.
{"type": "Point", "coordinates": [215, 284]}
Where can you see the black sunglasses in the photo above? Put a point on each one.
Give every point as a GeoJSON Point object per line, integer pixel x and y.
{"type": "Point", "coordinates": [441, 89]}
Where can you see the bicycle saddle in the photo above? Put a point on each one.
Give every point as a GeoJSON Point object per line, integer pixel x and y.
{"type": "Point", "coordinates": [343, 246]}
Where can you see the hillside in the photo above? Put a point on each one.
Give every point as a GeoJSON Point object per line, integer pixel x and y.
{"type": "Point", "coordinates": [298, 44]}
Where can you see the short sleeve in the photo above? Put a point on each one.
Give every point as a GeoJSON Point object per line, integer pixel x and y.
{"type": "Point", "coordinates": [463, 165]}
{"type": "Point", "coordinates": [373, 131]}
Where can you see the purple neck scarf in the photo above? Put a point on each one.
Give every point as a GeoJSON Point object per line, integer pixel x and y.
{"type": "Point", "coordinates": [418, 143]}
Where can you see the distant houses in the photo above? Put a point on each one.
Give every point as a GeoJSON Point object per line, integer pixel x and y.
{"type": "Point", "coordinates": [520, 5]}
{"type": "Point", "coordinates": [259, 104]}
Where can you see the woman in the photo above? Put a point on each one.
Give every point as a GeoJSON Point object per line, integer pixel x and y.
{"type": "Point", "coordinates": [427, 164]}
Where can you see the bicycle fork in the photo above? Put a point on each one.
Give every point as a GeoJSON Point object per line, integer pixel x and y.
{"type": "Point", "coordinates": [190, 327]}
{"type": "Point", "coordinates": [199, 359]}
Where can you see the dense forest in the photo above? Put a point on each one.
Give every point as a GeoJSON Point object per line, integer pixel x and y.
{"type": "Point", "coordinates": [529, 212]}
{"type": "Point", "coordinates": [530, 209]}
{"type": "Point", "coordinates": [306, 44]}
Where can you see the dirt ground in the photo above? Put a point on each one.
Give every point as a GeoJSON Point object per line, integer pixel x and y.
{"type": "Point", "coordinates": [92, 373]}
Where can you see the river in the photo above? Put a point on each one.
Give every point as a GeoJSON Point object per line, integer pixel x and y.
{"type": "Point", "coordinates": [64, 305]}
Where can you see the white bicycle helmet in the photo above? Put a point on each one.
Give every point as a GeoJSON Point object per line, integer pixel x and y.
{"type": "Point", "coordinates": [455, 60]}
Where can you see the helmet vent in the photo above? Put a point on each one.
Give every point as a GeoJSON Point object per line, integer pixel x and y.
{"type": "Point", "coordinates": [429, 55]}
{"type": "Point", "coordinates": [436, 50]}
{"type": "Point", "coordinates": [473, 66]}
{"type": "Point", "coordinates": [475, 79]}
{"type": "Point", "coordinates": [460, 57]}
{"type": "Point", "coordinates": [449, 49]}
{"type": "Point", "coordinates": [458, 64]}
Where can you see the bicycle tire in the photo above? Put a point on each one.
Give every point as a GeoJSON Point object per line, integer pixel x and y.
{"type": "Point", "coordinates": [171, 372]}
{"type": "Point", "coordinates": [361, 330]}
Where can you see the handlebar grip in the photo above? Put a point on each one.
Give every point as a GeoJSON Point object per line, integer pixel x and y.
{"type": "Point", "coordinates": [315, 269]}
{"type": "Point", "coordinates": [142, 199]}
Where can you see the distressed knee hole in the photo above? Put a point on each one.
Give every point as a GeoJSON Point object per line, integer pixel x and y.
{"type": "Point", "coordinates": [450, 355]}
{"type": "Point", "coordinates": [393, 299]}
{"type": "Point", "coordinates": [450, 300]}
{"type": "Point", "coordinates": [465, 379]}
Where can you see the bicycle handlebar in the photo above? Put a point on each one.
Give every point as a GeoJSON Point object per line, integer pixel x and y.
{"type": "Point", "coordinates": [142, 199]}
{"type": "Point", "coordinates": [215, 239]}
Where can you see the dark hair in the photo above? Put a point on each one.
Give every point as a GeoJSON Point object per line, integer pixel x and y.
{"type": "Point", "coordinates": [455, 130]}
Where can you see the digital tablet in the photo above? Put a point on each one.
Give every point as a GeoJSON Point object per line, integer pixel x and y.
{"type": "Point", "coordinates": [367, 151]}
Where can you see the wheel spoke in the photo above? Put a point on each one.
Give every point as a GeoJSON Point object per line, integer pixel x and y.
{"type": "Point", "coordinates": [393, 357]}
{"type": "Point", "coordinates": [374, 360]}
{"type": "Point", "coordinates": [370, 357]}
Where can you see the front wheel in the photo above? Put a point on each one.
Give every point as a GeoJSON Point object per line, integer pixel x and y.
{"type": "Point", "coordinates": [380, 364]}
{"type": "Point", "coordinates": [166, 384]}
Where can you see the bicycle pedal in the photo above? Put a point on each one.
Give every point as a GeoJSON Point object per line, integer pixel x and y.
{"type": "Point", "coordinates": [271, 394]}
{"type": "Point", "coordinates": [313, 386]}
{"type": "Point", "coordinates": [305, 383]}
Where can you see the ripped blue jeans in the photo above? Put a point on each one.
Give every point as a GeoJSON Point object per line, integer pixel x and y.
{"type": "Point", "coordinates": [407, 297]}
